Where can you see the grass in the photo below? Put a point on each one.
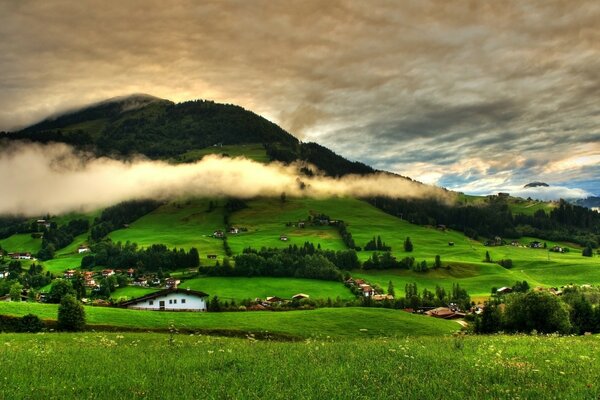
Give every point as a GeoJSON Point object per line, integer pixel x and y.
{"type": "Point", "coordinates": [130, 292]}
{"type": "Point", "coordinates": [266, 221]}
{"type": "Point", "coordinates": [240, 288]}
{"type": "Point", "coordinates": [60, 264]}
{"type": "Point", "coordinates": [333, 322]}
{"type": "Point", "coordinates": [159, 366]}
{"type": "Point", "coordinates": [21, 243]}
{"type": "Point", "coordinates": [251, 151]}
{"type": "Point", "coordinates": [180, 224]}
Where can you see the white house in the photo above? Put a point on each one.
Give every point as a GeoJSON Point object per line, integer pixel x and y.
{"type": "Point", "coordinates": [4, 274]}
{"type": "Point", "coordinates": [83, 249]}
{"type": "Point", "coordinates": [170, 300]}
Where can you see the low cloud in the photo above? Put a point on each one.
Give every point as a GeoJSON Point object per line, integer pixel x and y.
{"type": "Point", "coordinates": [55, 179]}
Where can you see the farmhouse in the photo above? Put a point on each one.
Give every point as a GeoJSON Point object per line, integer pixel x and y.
{"type": "Point", "coordinates": [4, 274]}
{"type": "Point", "coordinates": [83, 249]}
{"type": "Point", "coordinates": [219, 234]}
{"type": "Point", "coordinates": [170, 300]}
{"type": "Point", "coordinates": [172, 283]}
{"type": "Point", "coordinates": [283, 238]}
{"type": "Point", "coordinates": [69, 274]}
{"type": "Point", "coordinates": [234, 230]}
{"type": "Point", "coordinates": [20, 256]}
{"type": "Point", "coordinates": [211, 256]}
{"type": "Point", "coordinates": [504, 290]}
{"type": "Point", "coordinates": [444, 313]}
{"type": "Point", "coordinates": [300, 296]}
{"type": "Point", "coordinates": [141, 282]}
{"type": "Point", "coordinates": [108, 272]}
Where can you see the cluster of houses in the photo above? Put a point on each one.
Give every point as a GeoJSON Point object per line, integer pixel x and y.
{"type": "Point", "coordinates": [272, 301]}
{"type": "Point", "coordinates": [233, 230]}
{"type": "Point", "coordinates": [366, 290]}
{"type": "Point", "coordinates": [21, 256]}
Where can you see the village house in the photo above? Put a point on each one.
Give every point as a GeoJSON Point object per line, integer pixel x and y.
{"type": "Point", "coordinates": [504, 290]}
{"type": "Point", "coordinates": [274, 299]}
{"type": "Point", "coordinates": [83, 249]}
{"type": "Point", "coordinates": [4, 274]}
{"type": "Point", "coordinates": [69, 274]}
{"type": "Point", "coordinates": [211, 256]}
{"type": "Point", "coordinates": [444, 313]}
{"type": "Point", "coordinates": [130, 272]}
{"type": "Point", "coordinates": [367, 290]}
{"type": "Point", "coordinates": [300, 296]}
{"type": "Point", "coordinates": [234, 230]}
{"type": "Point", "coordinates": [451, 244]}
{"type": "Point", "coordinates": [219, 234]}
{"type": "Point", "coordinates": [108, 272]}
{"type": "Point", "coordinates": [283, 238]}
{"type": "Point", "coordinates": [170, 300]}
{"type": "Point", "coordinates": [381, 297]}
{"type": "Point", "coordinates": [20, 256]}
{"type": "Point", "coordinates": [140, 282]}
{"type": "Point", "coordinates": [44, 223]}
{"type": "Point", "coordinates": [172, 283]}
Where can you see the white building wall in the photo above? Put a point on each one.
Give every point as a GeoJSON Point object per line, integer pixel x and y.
{"type": "Point", "coordinates": [173, 301]}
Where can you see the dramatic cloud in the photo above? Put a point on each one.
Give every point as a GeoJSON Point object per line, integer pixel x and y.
{"type": "Point", "coordinates": [416, 87]}
{"type": "Point", "coordinates": [54, 179]}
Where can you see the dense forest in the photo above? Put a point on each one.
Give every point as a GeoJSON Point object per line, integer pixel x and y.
{"type": "Point", "coordinates": [566, 222]}
{"type": "Point", "coordinates": [300, 262]}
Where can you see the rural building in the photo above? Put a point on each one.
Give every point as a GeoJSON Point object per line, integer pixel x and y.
{"type": "Point", "coordinates": [20, 256]}
{"type": "Point", "coordinates": [83, 249]}
{"type": "Point", "coordinates": [172, 283]}
{"type": "Point", "coordinates": [504, 290]}
{"type": "Point", "coordinates": [219, 234]}
{"type": "Point", "coordinates": [234, 230]}
{"type": "Point", "coordinates": [444, 313]}
{"type": "Point", "coordinates": [4, 274]}
{"type": "Point", "coordinates": [283, 238]}
{"type": "Point", "coordinates": [274, 299]}
{"type": "Point", "coordinates": [211, 256]}
{"type": "Point", "coordinates": [300, 296]}
{"type": "Point", "coordinates": [141, 282]}
{"type": "Point", "coordinates": [381, 297]}
{"type": "Point", "coordinates": [69, 274]}
{"type": "Point", "coordinates": [130, 272]}
{"type": "Point", "coordinates": [108, 272]}
{"type": "Point", "coordinates": [170, 300]}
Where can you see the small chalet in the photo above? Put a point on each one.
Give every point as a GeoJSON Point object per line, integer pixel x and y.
{"type": "Point", "coordinates": [170, 300]}
{"type": "Point", "coordinates": [367, 290]}
{"type": "Point", "coordinates": [108, 272]}
{"type": "Point", "coordinates": [504, 290]}
{"type": "Point", "coordinates": [450, 243]}
{"type": "Point", "coordinates": [141, 282]}
{"type": "Point", "coordinates": [20, 256]}
{"type": "Point", "coordinates": [381, 297]}
{"type": "Point", "coordinates": [211, 256]}
{"type": "Point", "coordinates": [274, 299]}
{"type": "Point", "coordinates": [219, 234]}
{"type": "Point", "coordinates": [283, 238]}
{"type": "Point", "coordinates": [300, 296]}
{"type": "Point", "coordinates": [444, 313]}
{"type": "Point", "coordinates": [172, 283]}
{"type": "Point", "coordinates": [83, 249]}
{"type": "Point", "coordinates": [130, 272]}
{"type": "Point", "coordinates": [69, 274]}
{"type": "Point", "coordinates": [4, 274]}
{"type": "Point", "coordinates": [536, 245]}
{"type": "Point", "coordinates": [234, 230]}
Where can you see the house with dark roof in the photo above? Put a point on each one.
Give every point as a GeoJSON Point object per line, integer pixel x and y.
{"type": "Point", "coordinates": [170, 300]}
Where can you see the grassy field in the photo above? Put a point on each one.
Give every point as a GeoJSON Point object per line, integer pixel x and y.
{"type": "Point", "coordinates": [130, 292]}
{"type": "Point", "coordinates": [333, 322]}
{"type": "Point", "coordinates": [254, 152]}
{"type": "Point", "coordinates": [240, 288]}
{"type": "Point", "coordinates": [62, 263]}
{"type": "Point", "coordinates": [159, 366]}
{"type": "Point", "coordinates": [182, 224]}
{"type": "Point", "coordinates": [21, 243]}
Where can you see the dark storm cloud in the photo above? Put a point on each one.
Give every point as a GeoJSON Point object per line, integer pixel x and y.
{"type": "Point", "coordinates": [430, 88]}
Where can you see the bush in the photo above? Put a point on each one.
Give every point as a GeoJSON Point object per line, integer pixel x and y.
{"type": "Point", "coordinates": [31, 323]}
{"type": "Point", "coordinates": [71, 315]}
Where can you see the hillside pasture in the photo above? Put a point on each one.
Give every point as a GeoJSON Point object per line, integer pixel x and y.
{"type": "Point", "coordinates": [348, 322]}
{"type": "Point", "coordinates": [252, 151]}
{"type": "Point", "coordinates": [181, 224]}
{"type": "Point", "coordinates": [21, 243]}
{"type": "Point", "coordinates": [240, 288]}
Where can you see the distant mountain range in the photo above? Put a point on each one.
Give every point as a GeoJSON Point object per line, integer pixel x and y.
{"type": "Point", "coordinates": [161, 129]}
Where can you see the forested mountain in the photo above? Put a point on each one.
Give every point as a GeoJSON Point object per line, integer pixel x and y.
{"type": "Point", "coordinates": [161, 129]}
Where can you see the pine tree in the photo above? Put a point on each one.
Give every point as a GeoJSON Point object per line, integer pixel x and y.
{"type": "Point", "coordinates": [408, 246]}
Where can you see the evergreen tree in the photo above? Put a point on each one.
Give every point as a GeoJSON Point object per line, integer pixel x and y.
{"type": "Point", "coordinates": [71, 315]}
{"type": "Point", "coordinates": [408, 246]}
{"type": "Point", "coordinates": [390, 289]}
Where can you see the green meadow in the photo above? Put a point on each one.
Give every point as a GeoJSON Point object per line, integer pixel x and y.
{"type": "Point", "coordinates": [251, 151]}
{"type": "Point", "coordinates": [131, 292]}
{"type": "Point", "coordinates": [348, 322]}
{"type": "Point", "coordinates": [241, 288]}
{"type": "Point", "coordinates": [180, 224]}
{"type": "Point", "coordinates": [21, 243]}
{"type": "Point", "coordinates": [135, 366]}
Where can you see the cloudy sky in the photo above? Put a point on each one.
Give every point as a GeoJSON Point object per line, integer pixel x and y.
{"type": "Point", "coordinates": [477, 96]}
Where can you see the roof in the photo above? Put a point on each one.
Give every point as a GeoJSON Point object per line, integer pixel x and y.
{"type": "Point", "coordinates": [163, 293]}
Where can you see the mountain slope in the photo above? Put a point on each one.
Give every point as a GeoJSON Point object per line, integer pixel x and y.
{"type": "Point", "coordinates": [161, 129]}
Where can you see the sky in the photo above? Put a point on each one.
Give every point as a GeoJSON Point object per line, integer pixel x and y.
{"type": "Point", "coordinates": [474, 96]}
